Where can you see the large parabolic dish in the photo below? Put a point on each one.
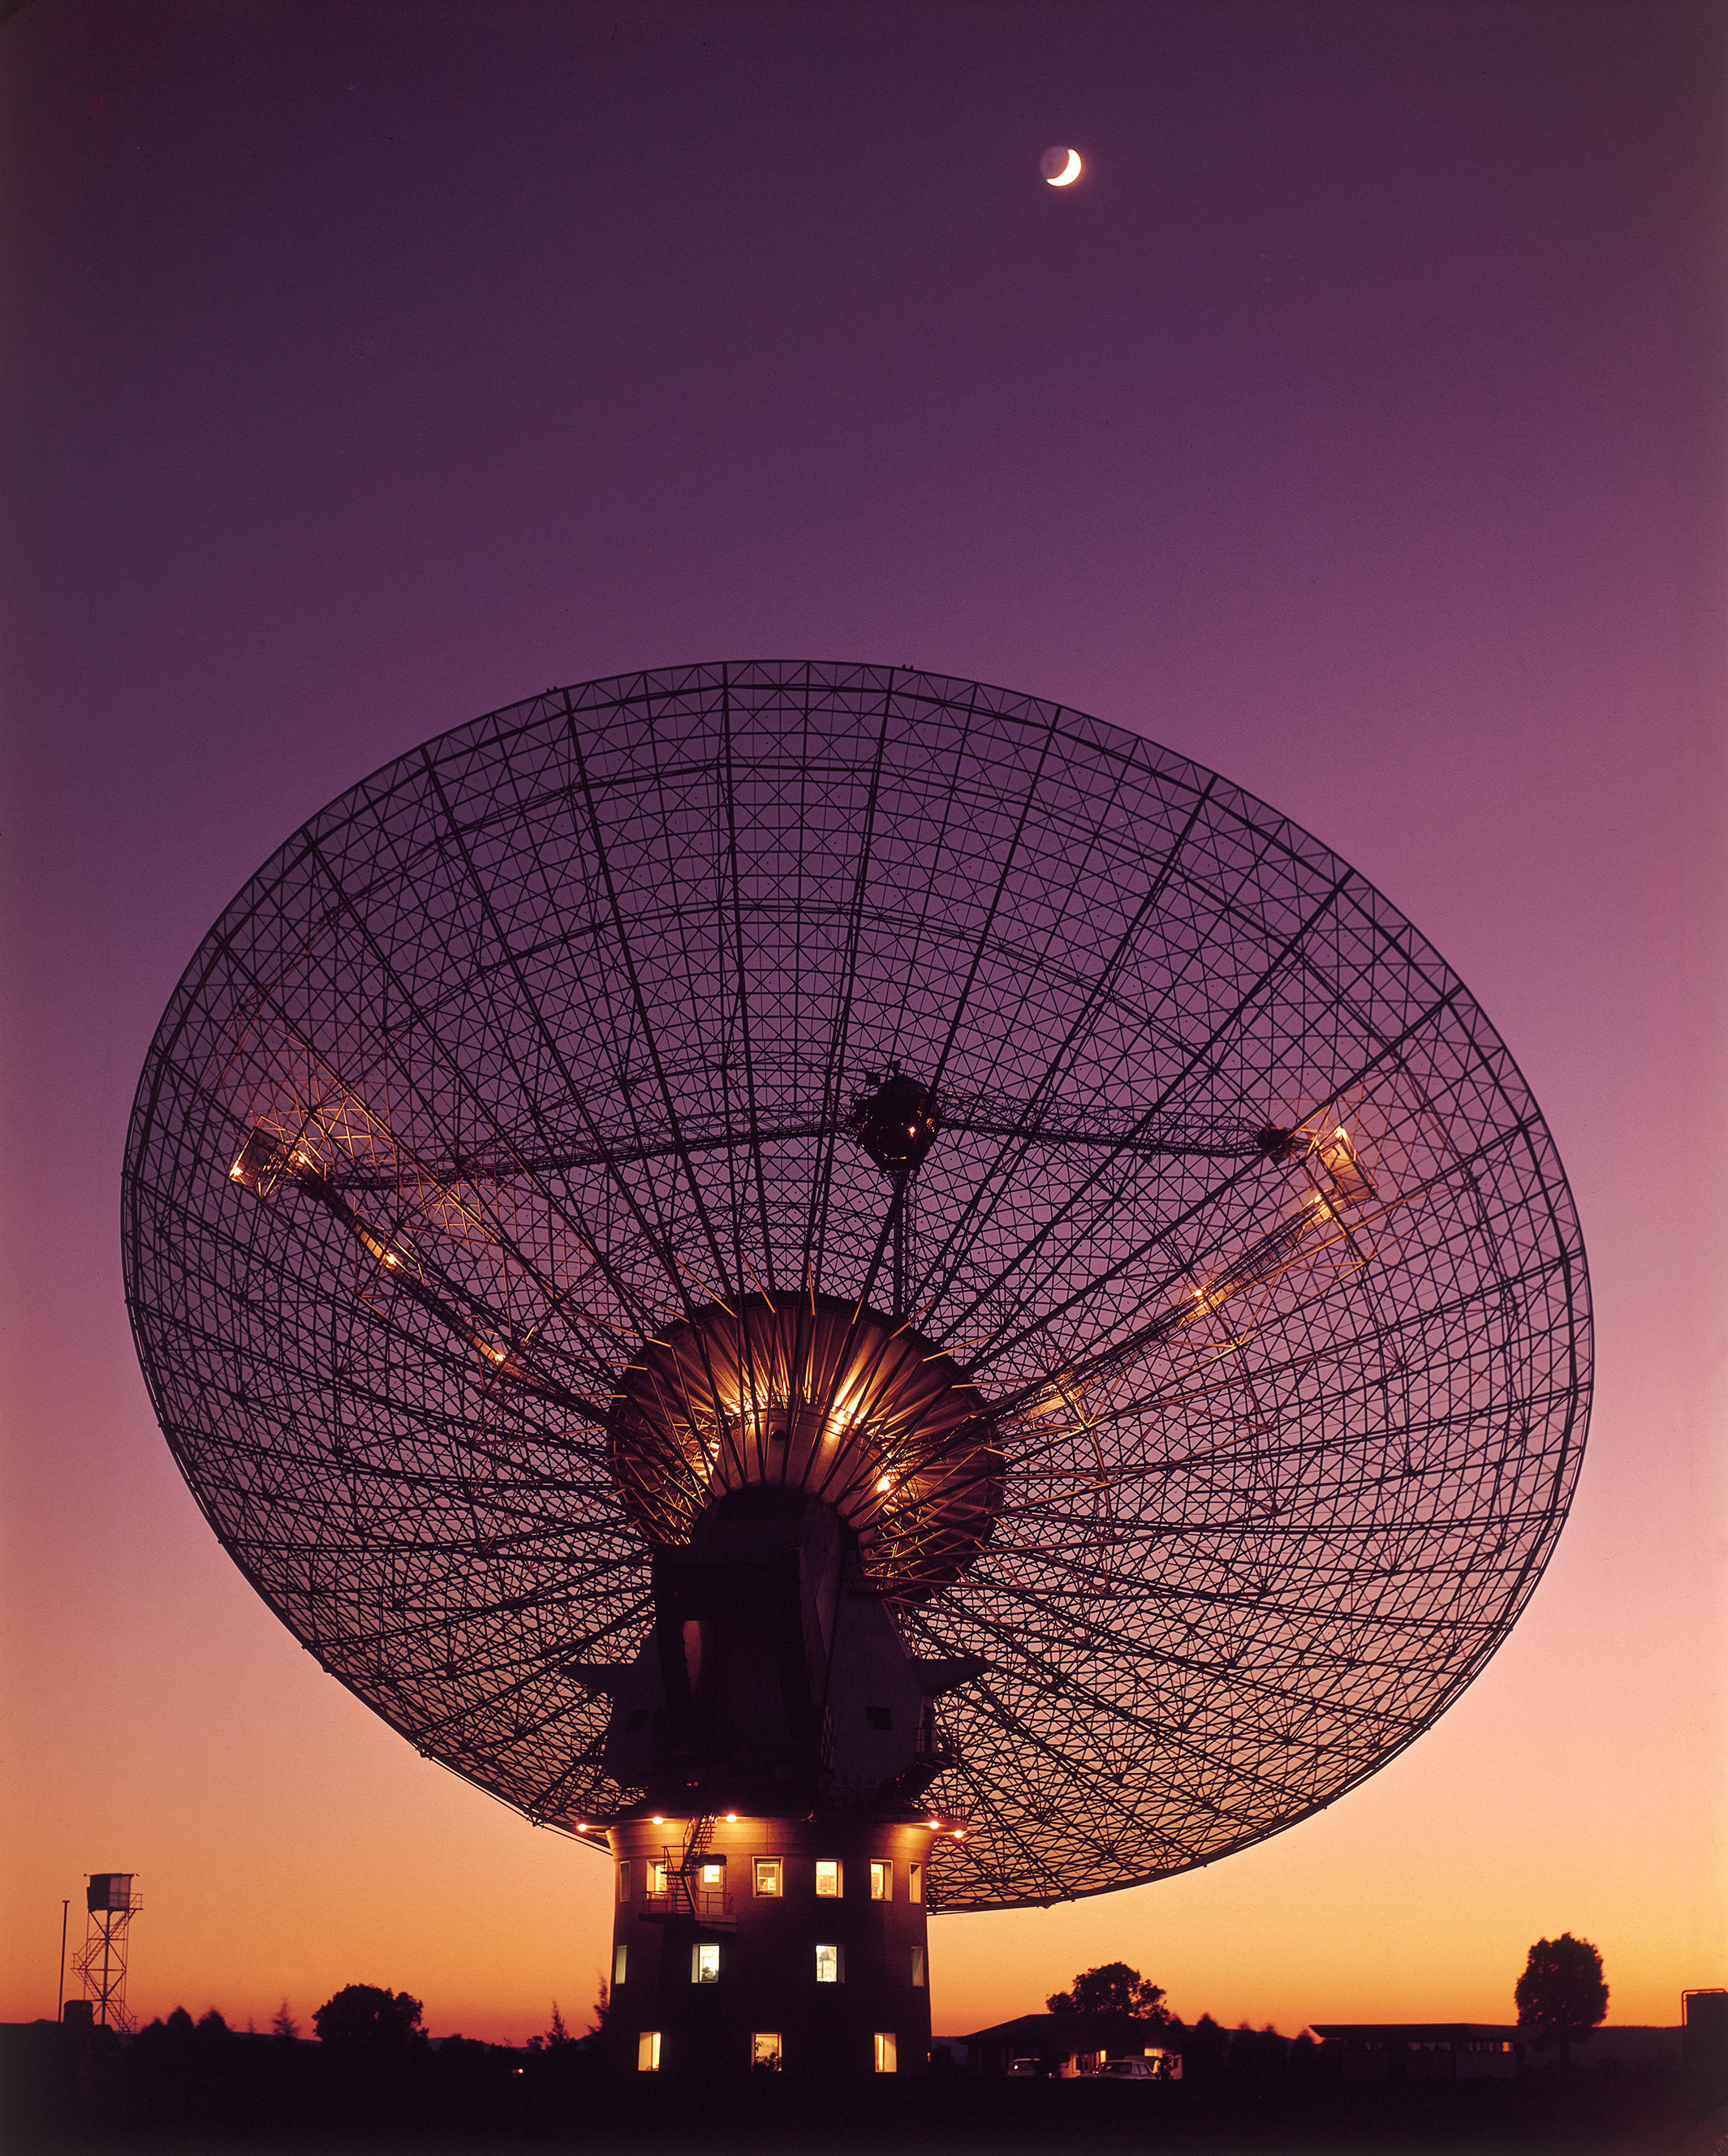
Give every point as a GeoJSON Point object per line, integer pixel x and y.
{"type": "Point", "coordinates": [553, 1088]}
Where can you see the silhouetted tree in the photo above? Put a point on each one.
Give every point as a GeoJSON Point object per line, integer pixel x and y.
{"type": "Point", "coordinates": [1257, 2055]}
{"type": "Point", "coordinates": [362, 2020]}
{"type": "Point", "coordinates": [194, 2079]}
{"type": "Point", "coordinates": [1561, 1996]}
{"type": "Point", "coordinates": [1114, 1989]}
{"type": "Point", "coordinates": [1304, 2057]}
{"type": "Point", "coordinates": [1205, 2049]}
{"type": "Point", "coordinates": [466, 2079]}
{"type": "Point", "coordinates": [284, 2025]}
{"type": "Point", "coordinates": [557, 2061]}
{"type": "Point", "coordinates": [558, 2039]}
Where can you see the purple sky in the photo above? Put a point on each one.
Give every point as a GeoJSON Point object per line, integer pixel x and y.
{"type": "Point", "coordinates": [1355, 426]}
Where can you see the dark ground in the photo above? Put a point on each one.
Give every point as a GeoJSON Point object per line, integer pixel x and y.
{"type": "Point", "coordinates": [210, 2091]}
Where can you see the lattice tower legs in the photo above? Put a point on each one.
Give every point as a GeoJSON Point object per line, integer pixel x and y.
{"type": "Point", "coordinates": [101, 1963]}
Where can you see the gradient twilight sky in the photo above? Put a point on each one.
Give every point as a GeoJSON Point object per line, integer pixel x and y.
{"type": "Point", "coordinates": [1355, 426]}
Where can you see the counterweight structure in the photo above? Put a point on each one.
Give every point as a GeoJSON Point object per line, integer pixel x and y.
{"type": "Point", "coordinates": [849, 1283]}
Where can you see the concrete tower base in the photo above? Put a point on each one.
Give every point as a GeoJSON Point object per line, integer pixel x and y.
{"type": "Point", "coordinates": [780, 1945]}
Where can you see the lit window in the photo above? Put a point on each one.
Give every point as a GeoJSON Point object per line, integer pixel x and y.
{"type": "Point", "coordinates": [768, 1875]}
{"type": "Point", "coordinates": [918, 1968]}
{"type": "Point", "coordinates": [624, 1882]}
{"type": "Point", "coordinates": [656, 1877]}
{"type": "Point", "coordinates": [914, 1882]}
{"type": "Point", "coordinates": [620, 1962]}
{"type": "Point", "coordinates": [648, 2051]}
{"type": "Point", "coordinates": [886, 2062]}
{"type": "Point", "coordinates": [705, 1962]}
{"type": "Point", "coordinates": [828, 1878]}
{"type": "Point", "coordinates": [765, 2053]}
{"type": "Point", "coordinates": [828, 1964]}
{"type": "Point", "coordinates": [881, 1882]}
{"type": "Point", "coordinates": [714, 1875]}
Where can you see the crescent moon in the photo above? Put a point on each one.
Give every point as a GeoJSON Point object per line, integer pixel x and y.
{"type": "Point", "coordinates": [1069, 173]}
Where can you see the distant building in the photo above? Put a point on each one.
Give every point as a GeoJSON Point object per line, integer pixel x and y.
{"type": "Point", "coordinates": [1628, 2046]}
{"type": "Point", "coordinates": [1066, 2044]}
{"type": "Point", "coordinates": [1465, 2051]}
{"type": "Point", "coordinates": [1422, 2050]}
{"type": "Point", "coordinates": [1704, 2037]}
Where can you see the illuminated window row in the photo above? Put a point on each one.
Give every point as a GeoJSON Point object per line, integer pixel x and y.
{"type": "Point", "coordinates": [768, 1877]}
{"type": "Point", "coordinates": [705, 1963]}
{"type": "Point", "coordinates": [767, 2052]}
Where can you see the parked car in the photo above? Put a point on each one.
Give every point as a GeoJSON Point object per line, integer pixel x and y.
{"type": "Point", "coordinates": [1130, 2069]}
{"type": "Point", "coordinates": [1025, 2070]}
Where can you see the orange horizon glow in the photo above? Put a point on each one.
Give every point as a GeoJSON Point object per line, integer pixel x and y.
{"type": "Point", "coordinates": [385, 1868]}
{"type": "Point", "coordinates": [1357, 432]}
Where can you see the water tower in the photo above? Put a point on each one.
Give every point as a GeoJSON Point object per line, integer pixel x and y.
{"type": "Point", "coordinates": [111, 1901]}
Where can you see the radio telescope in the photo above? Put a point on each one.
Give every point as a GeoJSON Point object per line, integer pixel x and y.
{"type": "Point", "coordinates": [865, 1289]}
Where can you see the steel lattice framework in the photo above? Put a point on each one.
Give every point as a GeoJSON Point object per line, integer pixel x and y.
{"type": "Point", "coordinates": [1238, 1216]}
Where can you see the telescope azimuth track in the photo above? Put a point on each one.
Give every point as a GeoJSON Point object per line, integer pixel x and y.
{"type": "Point", "coordinates": [925, 1099]}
